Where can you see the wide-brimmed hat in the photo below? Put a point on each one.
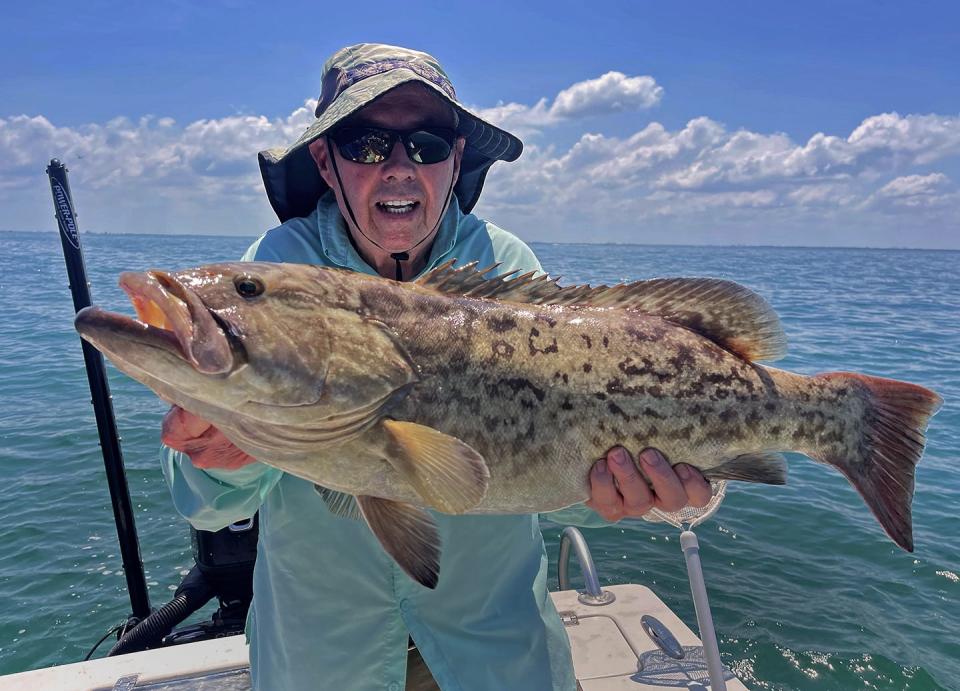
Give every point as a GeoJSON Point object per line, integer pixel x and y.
{"type": "Point", "coordinates": [353, 78]}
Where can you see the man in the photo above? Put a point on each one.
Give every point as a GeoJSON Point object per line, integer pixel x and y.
{"type": "Point", "coordinates": [383, 183]}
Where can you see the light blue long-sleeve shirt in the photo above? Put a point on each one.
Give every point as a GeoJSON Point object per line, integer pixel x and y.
{"type": "Point", "coordinates": [331, 610]}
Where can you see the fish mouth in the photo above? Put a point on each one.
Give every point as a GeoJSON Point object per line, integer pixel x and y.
{"type": "Point", "coordinates": [170, 317]}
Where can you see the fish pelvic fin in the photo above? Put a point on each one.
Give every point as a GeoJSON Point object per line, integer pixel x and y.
{"type": "Point", "coordinates": [768, 468]}
{"type": "Point", "coordinates": [881, 464]}
{"type": "Point", "coordinates": [732, 316]}
{"type": "Point", "coordinates": [408, 534]}
{"type": "Point", "coordinates": [449, 475]}
{"type": "Point", "coordinates": [338, 503]}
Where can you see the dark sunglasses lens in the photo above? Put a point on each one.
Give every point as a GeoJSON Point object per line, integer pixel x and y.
{"type": "Point", "coordinates": [429, 146]}
{"type": "Point", "coordinates": [362, 145]}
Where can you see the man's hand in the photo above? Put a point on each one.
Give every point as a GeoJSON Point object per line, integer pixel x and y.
{"type": "Point", "coordinates": [202, 442]}
{"type": "Point", "coordinates": [673, 487]}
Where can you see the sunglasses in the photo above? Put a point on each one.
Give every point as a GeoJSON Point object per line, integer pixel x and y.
{"type": "Point", "coordinates": [370, 145]}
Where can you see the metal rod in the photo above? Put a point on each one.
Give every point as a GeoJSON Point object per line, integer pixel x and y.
{"type": "Point", "coordinates": [590, 580]}
{"type": "Point", "coordinates": [708, 636]}
{"type": "Point", "coordinates": [593, 594]}
{"type": "Point", "coordinates": [100, 393]}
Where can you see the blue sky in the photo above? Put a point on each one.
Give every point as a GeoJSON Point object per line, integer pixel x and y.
{"type": "Point", "coordinates": [717, 123]}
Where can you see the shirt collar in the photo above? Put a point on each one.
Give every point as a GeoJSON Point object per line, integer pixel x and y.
{"type": "Point", "coordinates": [331, 228]}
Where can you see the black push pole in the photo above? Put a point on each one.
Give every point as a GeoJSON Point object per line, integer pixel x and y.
{"type": "Point", "coordinates": [101, 399]}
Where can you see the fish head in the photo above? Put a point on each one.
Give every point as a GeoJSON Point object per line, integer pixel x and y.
{"type": "Point", "coordinates": [269, 341]}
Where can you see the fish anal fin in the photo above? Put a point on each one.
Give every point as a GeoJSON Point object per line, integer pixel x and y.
{"type": "Point", "coordinates": [768, 468]}
{"type": "Point", "coordinates": [338, 503]}
{"type": "Point", "coordinates": [408, 534]}
{"type": "Point", "coordinates": [731, 315]}
{"type": "Point", "coordinates": [449, 475]}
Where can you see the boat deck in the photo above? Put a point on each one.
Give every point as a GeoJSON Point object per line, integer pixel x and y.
{"type": "Point", "coordinates": [611, 652]}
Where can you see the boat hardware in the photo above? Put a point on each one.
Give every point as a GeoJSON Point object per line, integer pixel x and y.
{"type": "Point", "coordinates": [661, 637]}
{"type": "Point", "coordinates": [686, 519]}
{"type": "Point", "coordinates": [592, 594]}
{"type": "Point", "coordinates": [127, 683]}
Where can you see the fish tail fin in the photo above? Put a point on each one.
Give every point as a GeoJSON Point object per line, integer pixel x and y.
{"type": "Point", "coordinates": [880, 463]}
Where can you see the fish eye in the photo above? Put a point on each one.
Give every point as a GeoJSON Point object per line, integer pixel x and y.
{"type": "Point", "coordinates": [248, 287]}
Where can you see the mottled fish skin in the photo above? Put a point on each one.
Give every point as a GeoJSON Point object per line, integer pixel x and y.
{"type": "Point", "coordinates": [543, 391]}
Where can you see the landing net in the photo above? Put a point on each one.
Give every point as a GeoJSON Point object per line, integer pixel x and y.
{"type": "Point", "coordinates": [690, 516]}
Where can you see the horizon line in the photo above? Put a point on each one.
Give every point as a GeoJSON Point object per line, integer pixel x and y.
{"type": "Point", "coordinates": [553, 242]}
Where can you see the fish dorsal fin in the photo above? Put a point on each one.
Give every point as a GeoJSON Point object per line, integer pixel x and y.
{"type": "Point", "coordinates": [726, 312]}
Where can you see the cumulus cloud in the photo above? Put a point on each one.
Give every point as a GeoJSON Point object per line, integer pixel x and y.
{"type": "Point", "coordinates": [702, 174]}
{"type": "Point", "coordinates": [612, 92]}
{"type": "Point", "coordinates": [913, 192]}
{"type": "Point", "coordinates": [882, 142]}
{"type": "Point", "coordinates": [913, 185]}
{"type": "Point", "coordinates": [703, 167]}
{"type": "Point", "coordinates": [919, 139]}
{"type": "Point", "coordinates": [150, 149]}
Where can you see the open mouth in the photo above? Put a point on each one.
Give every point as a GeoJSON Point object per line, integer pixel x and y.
{"type": "Point", "coordinates": [398, 207]}
{"type": "Point", "coordinates": [169, 317]}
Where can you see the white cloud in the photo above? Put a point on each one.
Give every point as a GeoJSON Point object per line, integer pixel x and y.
{"type": "Point", "coordinates": [919, 139]}
{"type": "Point", "coordinates": [913, 192]}
{"type": "Point", "coordinates": [612, 92]}
{"type": "Point", "coordinates": [913, 185]}
{"type": "Point", "coordinates": [836, 194]}
{"type": "Point", "coordinates": [705, 176]}
{"type": "Point", "coordinates": [701, 175]}
{"type": "Point", "coordinates": [150, 149]}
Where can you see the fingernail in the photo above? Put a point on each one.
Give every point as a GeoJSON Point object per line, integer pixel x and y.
{"type": "Point", "coordinates": [621, 457]}
{"type": "Point", "coordinates": [601, 467]}
{"type": "Point", "coordinates": [652, 458]}
{"type": "Point", "coordinates": [684, 472]}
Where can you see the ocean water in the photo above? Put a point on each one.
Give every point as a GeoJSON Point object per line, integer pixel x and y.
{"type": "Point", "coordinates": [807, 591]}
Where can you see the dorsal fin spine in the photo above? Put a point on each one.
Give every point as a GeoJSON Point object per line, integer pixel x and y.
{"type": "Point", "coordinates": [731, 315]}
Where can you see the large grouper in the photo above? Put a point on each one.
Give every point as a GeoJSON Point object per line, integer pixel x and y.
{"type": "Point", "coordinates": [468, 394]}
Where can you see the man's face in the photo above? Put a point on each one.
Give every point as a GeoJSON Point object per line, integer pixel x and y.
{"type": "Point", "coordinates": [369, 187]}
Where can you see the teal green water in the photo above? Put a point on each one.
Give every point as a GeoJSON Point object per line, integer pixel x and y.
{"type": "Point", "coordinates": [807, 592]}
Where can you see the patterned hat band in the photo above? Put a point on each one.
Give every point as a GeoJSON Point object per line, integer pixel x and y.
{"type": "Point", "coordinates": [336, 80]}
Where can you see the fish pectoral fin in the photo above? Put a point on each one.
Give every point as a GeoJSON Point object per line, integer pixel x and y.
{"type": "Point", "coordinates": [408, 534]}
{"type": "Point", "coordinates": [769, 468]}
{"type": "Point", "coordinates": [338, 503]}
{"type": "Point", "coordinates": [449, 475]}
